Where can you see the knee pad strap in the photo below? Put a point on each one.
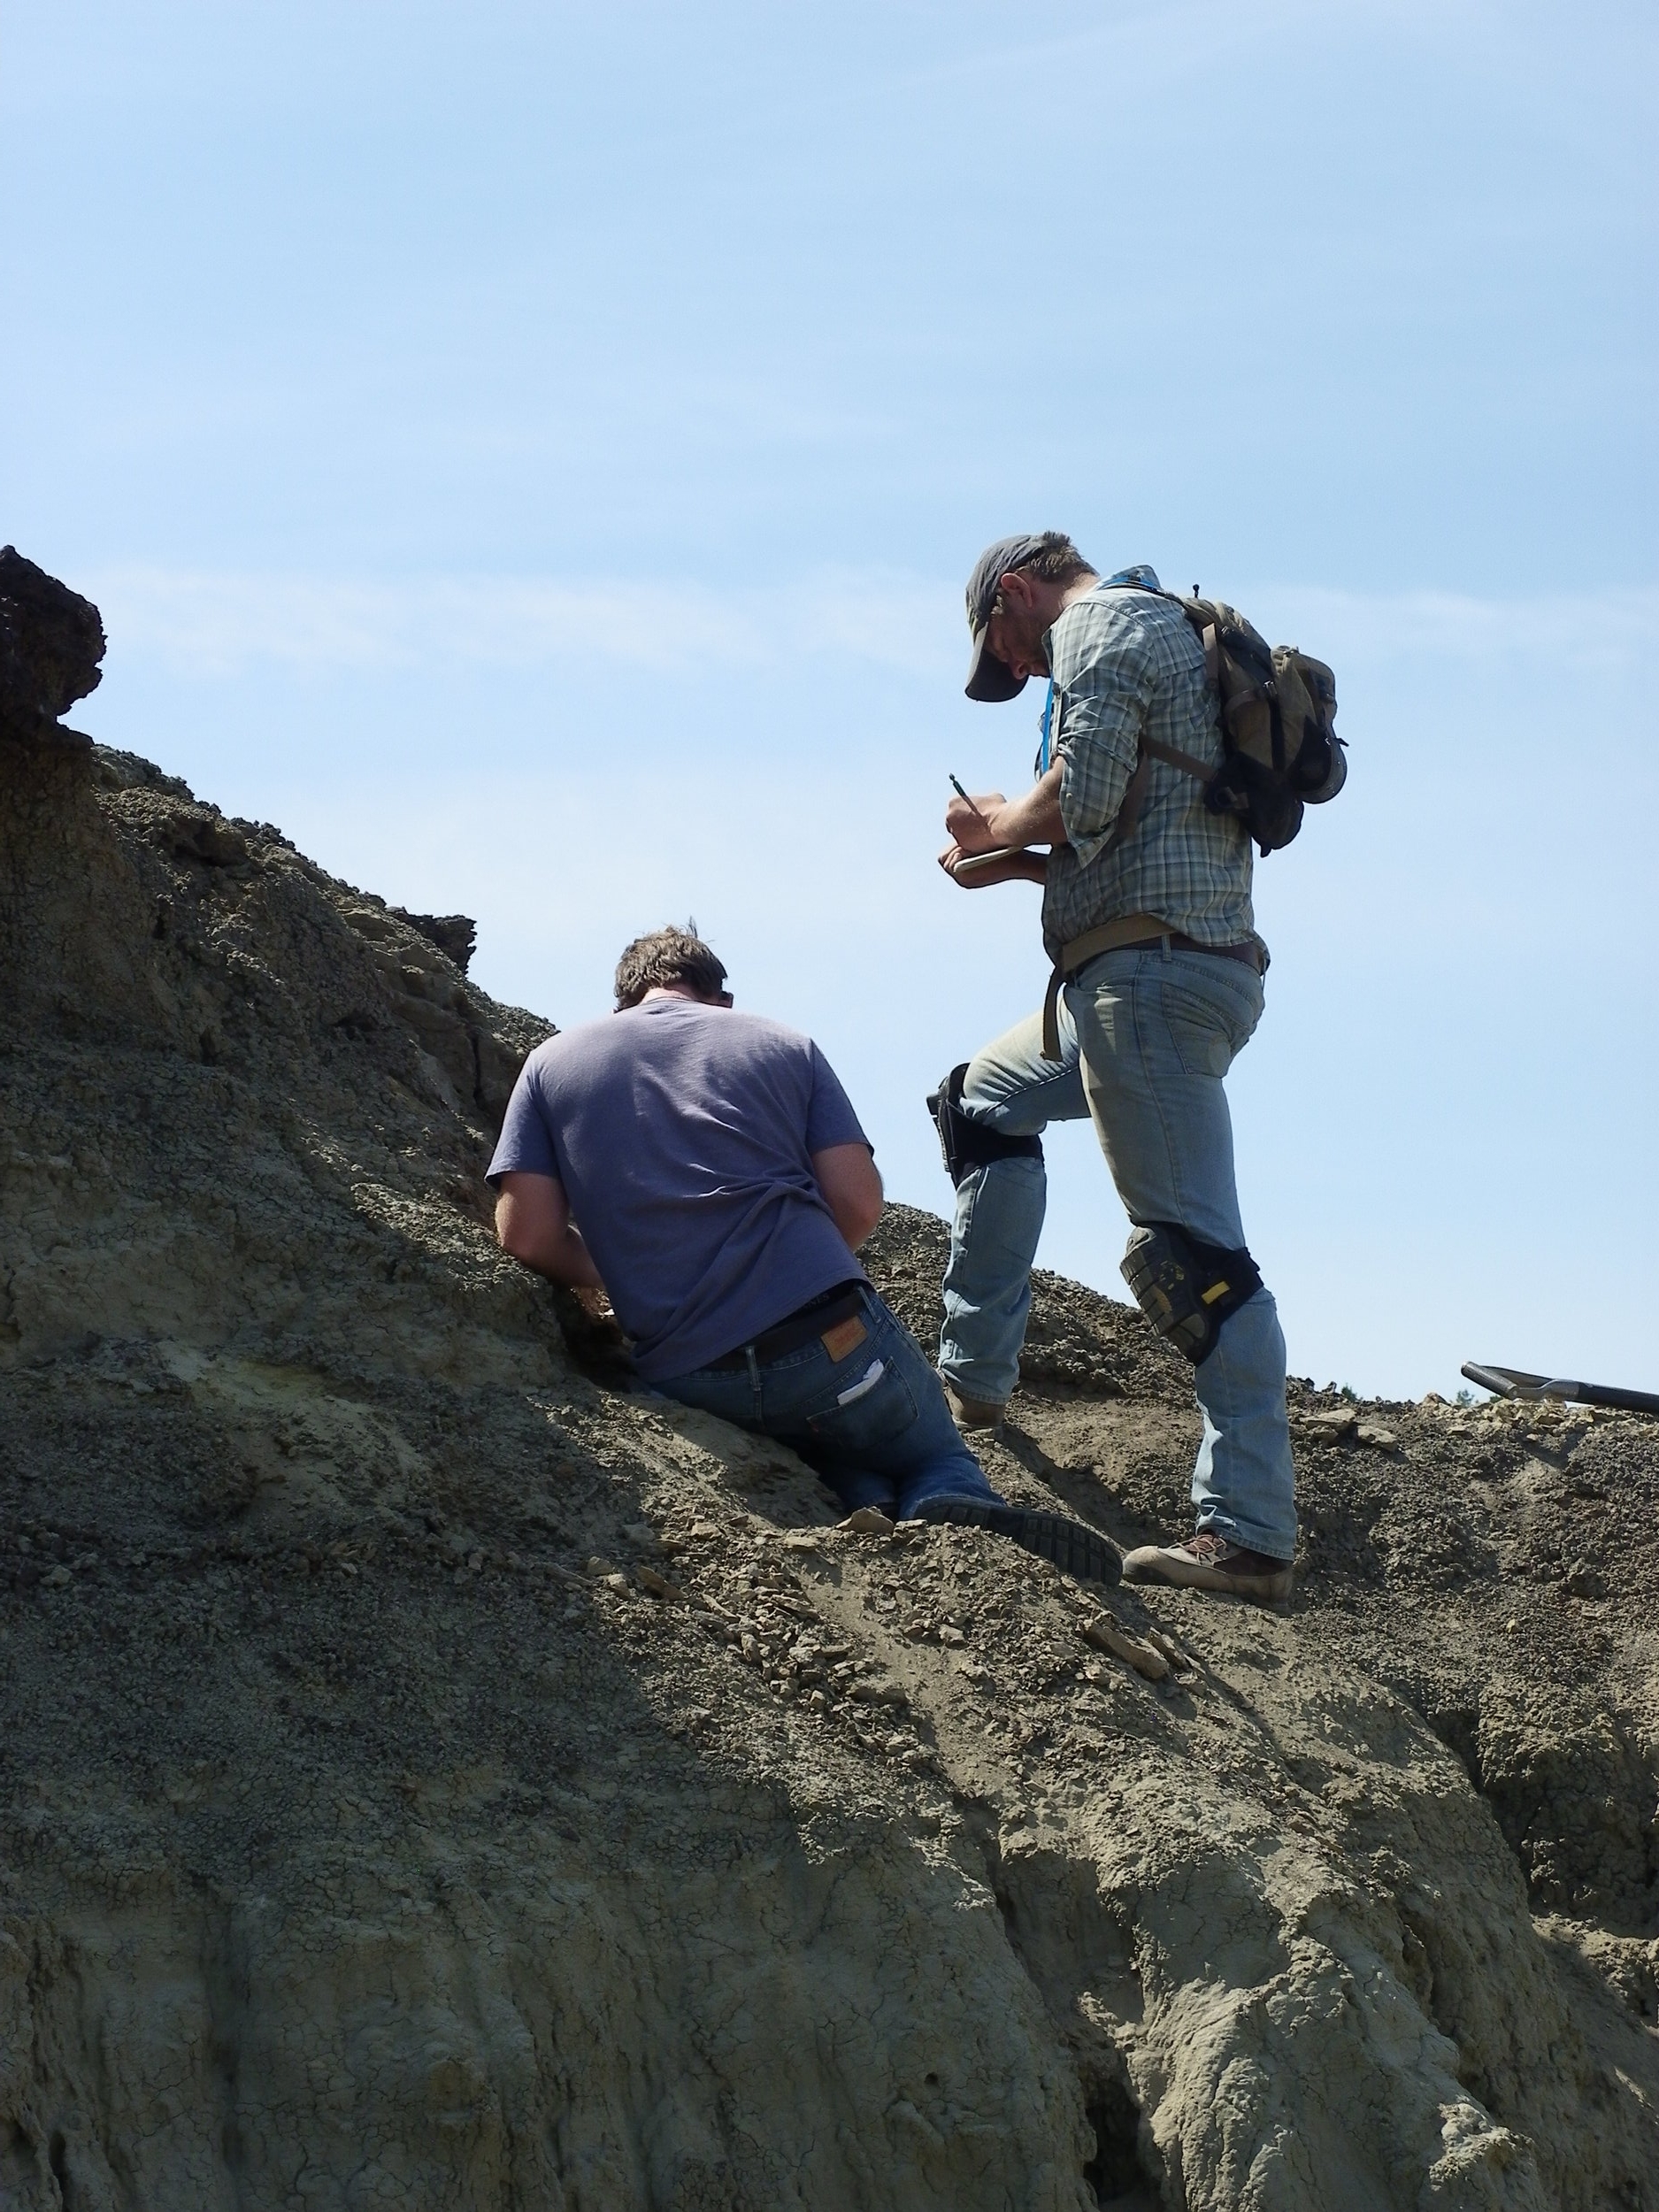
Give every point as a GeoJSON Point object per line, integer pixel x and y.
{"type": "Point", "coordinates": [1187, 1289]}
{"type": "Point", "coordinates": [966, 1143]}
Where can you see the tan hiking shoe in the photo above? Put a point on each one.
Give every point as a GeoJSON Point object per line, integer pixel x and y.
{"type": "Point", "coordinates": [971, 1413]}
{"type": "Point", "coordinates": [1209, 1562]}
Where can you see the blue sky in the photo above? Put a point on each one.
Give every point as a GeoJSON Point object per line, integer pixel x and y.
{"type": "Point", "coordinates": [533, 457]}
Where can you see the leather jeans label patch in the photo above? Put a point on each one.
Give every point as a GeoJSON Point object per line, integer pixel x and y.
{"type": "Point", "coordinates": [845, 1337]}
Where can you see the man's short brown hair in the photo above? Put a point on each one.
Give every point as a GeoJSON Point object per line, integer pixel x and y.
{"type": "Point", "coordinates": [667, 956]}
{"type": "Point", "coordinates": [1054, 560]}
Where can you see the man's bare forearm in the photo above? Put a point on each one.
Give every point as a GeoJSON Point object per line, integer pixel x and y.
{"type": "Point", "coordinates": [1035, 817]}
{"type": "Point", "coordinates": [567, 1261]}
{"type": "Point", "coordinates": [850, 1187]}
{"type": "Point", "coordinates": [533, 1223]}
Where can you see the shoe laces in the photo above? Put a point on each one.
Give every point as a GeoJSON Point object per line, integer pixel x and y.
{"type": "Point", "coordinates": [1212, 1550]}
{"type": "Point", "coordinates": [1209, 1548]}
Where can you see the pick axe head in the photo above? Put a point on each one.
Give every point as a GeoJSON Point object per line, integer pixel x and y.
{"type": "Point", "coordinates": [1515, 1382]}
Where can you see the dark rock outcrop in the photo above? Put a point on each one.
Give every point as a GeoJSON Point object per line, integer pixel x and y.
{"type": "Point", "coordinates": [51, 641]}
{"type": "Point", "coordinates": [455, 935]}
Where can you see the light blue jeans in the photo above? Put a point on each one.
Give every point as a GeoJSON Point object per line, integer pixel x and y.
{"type": "Point", "coordinates": [1146, 1037]}
{"type": "Point", "coordinates": [874, 1423]}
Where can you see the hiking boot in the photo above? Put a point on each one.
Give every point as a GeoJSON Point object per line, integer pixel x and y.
{"type": "Point", "coordinates": [1209, 1562]}
{"type": "Point", "coordinates": [971, 1413]}
{"type": "Point", "coordinates": [1073, 1548]}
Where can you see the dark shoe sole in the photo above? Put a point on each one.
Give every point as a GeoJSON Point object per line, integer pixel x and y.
{"type": "Point", "coordinates": [1068, 1545]}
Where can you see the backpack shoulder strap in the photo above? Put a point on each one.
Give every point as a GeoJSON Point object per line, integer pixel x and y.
{"type": "Point", "coordinates": [1130, 805]}
{"type": "Point", "coordinates": [1189, 763]}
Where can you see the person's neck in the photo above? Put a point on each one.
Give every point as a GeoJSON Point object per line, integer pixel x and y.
{"type": "Point", "coordinates": [676, 990]}
{"type": "Point", "coordinates": [1078, 587]}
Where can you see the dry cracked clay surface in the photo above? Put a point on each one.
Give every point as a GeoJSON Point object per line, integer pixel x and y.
{"type": "Point", "coordinates": [436, 1774]}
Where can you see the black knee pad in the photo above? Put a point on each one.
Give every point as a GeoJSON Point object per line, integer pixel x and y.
{"type": "Point", "coordinates": [966, 1143]}
{"type": "Point", "coordinates": [1184, 1288]}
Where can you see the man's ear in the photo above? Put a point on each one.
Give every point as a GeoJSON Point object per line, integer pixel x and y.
{"type": "Point", "coordinates": [1015, 590]}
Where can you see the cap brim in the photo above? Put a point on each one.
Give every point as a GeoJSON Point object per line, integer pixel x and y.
{"type": "Point", "coordinates": [991, 679]}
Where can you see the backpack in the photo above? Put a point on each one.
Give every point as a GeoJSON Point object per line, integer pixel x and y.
{"type": "Point", "coordinates": [1278, 712]}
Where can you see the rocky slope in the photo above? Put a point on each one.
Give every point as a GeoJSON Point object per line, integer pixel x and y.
{"type": "Point", "coordinates": [434, 1773]}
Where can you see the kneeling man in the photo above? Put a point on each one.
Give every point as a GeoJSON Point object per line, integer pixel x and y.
{"type": "Point", "coordinates": [706, 1169]}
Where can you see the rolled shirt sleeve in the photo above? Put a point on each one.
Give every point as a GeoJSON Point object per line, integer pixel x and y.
{"type": "Point", "coordinates": [1105, 697]}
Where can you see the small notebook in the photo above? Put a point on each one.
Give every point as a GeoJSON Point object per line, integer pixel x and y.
{"type": "Point", "coordinates": [976, 864]}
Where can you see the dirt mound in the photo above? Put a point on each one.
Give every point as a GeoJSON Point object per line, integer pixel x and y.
{"type": "Point", "coordinates": [431, 1774]}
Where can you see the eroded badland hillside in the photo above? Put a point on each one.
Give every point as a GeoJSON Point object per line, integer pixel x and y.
{"type": "Point", "coordinates": [434, 1774]}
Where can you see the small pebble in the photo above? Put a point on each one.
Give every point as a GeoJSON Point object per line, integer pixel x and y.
{"type": "Point", "coordinates": [867, 1521]}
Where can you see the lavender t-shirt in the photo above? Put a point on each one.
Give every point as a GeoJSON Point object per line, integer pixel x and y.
{"type": "Point", "coordinates": [683, 1134]}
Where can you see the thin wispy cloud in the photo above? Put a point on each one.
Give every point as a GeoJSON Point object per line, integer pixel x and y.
{"type": "Point", "coordinates": [206, 625]}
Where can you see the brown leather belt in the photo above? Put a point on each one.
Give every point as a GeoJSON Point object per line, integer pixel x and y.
{"type": "Point", "coordinates": [815, 1318]}
{"type": "Point", "coordinates": [1130, 932]}
{"type": "Point", "coordinates": [1245, 952]}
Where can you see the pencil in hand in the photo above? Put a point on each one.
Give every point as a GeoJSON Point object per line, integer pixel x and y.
{"type": "Point", "coordinates": [961, 794]}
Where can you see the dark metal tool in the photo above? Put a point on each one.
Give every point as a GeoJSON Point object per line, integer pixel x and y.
{"type": "Point", "coordinates": [1514, 1382]}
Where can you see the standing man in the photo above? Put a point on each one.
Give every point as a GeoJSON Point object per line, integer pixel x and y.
{"type": "Point", "coordinates": [705, 1168]}
{"type": "Point", "coordinates": [1157, 987]}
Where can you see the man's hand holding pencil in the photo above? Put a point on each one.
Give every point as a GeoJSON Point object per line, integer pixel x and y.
{"type": "Point", "coordinates": [967, 820]}
{"type": "Point", "coordinates": [978, 855]}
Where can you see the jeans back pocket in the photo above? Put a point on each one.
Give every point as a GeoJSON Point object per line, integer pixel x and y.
{"type": "Point", "coordinates": [872, 1409]}
{"type": "Point", "coordinates": [1211, 1017]}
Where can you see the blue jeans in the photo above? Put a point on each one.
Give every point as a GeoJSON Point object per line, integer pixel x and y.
{"type": "Point", "coordinates": [874, 1423]}
{"type": "Point", "coordinates": [1146, 1037]}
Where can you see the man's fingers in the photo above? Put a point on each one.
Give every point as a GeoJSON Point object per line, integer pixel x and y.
{"type": "Point", "coordinates": [969, 827]}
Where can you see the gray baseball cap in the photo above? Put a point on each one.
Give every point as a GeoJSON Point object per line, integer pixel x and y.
{"type": "Point", "coordinates": [988, 677]}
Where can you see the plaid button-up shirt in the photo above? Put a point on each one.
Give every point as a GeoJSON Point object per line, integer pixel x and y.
{"type": "Point", "coordinates": [1128, 663]}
